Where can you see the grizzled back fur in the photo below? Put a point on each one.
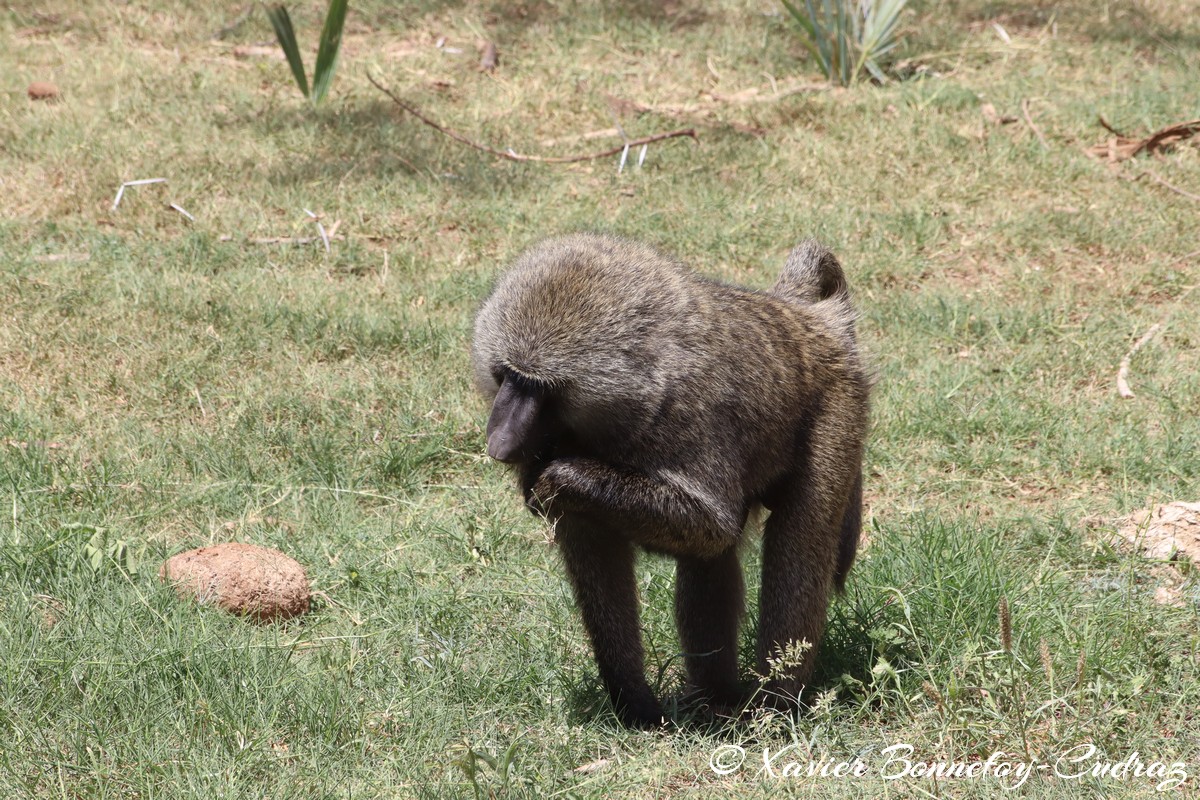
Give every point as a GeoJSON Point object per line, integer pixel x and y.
{"type": "Point", "coordinates": [598, 300]}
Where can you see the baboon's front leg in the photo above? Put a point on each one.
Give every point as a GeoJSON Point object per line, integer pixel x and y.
{"type": "Point", "coordinates": [600, 565]}
{"type": "Point", "coordinates": [709, 602]}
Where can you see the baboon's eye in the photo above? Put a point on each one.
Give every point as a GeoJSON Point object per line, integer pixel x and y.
{"type": "Point", "coordinates": [523, 383]}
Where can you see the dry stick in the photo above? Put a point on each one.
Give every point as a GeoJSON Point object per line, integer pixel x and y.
{"type": "Point", "coordinates": [1175, 189]}
{"type": "Point", "coordinates": [511, 156]}
{"type": "Point", "coordinates": [1032, 127]}
{"type": "Point", "coordinates": [1159, 180]}
{"type": "Point", "coordinates": [1110, 128]}
{"type": "Point", "coordinates": [281, 239]}
{"type": "Point", "coordinates": [1159, 140]}
{"type": "Point", "coordinates": [1123, 369]}
{"type": "Point", "coordinates": [1170, 135]}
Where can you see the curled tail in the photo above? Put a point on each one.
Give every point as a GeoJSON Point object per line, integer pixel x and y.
{"type": "Point", "coordinates": [811, 274]}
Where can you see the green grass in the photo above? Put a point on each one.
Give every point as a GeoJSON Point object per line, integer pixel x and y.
{"type": "Point", "coordinates": [174, 387]}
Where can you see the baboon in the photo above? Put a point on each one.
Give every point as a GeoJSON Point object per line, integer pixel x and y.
{"type": "Point", "coordinates": [643, 405]}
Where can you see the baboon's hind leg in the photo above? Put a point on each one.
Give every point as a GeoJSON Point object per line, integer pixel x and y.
{"type": "Point", "coordinates": [851, 531]}
{"type": "Point", "coordinates": [803, 552]}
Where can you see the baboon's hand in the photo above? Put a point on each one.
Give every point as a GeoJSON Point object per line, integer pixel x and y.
{"type": "Point", "coordinates": [657, 512]}
{"type": "Point", "coordinates": [566, 484]}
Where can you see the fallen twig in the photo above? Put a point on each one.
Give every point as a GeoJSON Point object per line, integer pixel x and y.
{"type": "Point", "coordinates": [1123, 370]}
{"type": "Point", "coordinates": [127, 184]}
{"type": "Point", "coordinates": [281, 239]}
{"type": "Point", "coordinates": [514, 156]}
{"type": "Point", "coordinates": [1032, 127]}
{"type": "Point", "coordinates": [1123, 147]}
{"type": "Point", "coordinates": [1154, 177]}
{"type": "Point", "coordinates": [1160, 180]}
{"type": "Point", "coordinates": [1108, 127]}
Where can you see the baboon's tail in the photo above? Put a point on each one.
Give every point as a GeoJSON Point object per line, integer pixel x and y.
{"type": "Point", "coordinates": [811, 274]}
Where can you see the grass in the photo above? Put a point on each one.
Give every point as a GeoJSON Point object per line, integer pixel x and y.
{"type": "Point", "coordinates": [167, 387]}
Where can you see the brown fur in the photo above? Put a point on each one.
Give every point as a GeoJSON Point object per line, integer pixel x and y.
{"type": "Point", "coordinates": [668, 407]}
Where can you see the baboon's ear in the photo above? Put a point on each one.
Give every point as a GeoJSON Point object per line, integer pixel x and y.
{"type": "Point", "coordinates": [516, 427]}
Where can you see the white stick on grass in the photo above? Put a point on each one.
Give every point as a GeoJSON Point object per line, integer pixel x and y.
{"type": "Point", "coordinates": [1123, 371]}
{"type": "Point", "coordinates": [139, 182]}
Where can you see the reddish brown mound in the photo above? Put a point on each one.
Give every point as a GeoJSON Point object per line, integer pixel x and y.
{"type": "Point", "coordinates": [42, 90]}
{"type": "Point", "coordinates": [243, 579]}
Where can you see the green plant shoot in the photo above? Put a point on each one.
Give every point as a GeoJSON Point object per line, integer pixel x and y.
{"type": "Point", "coordinates": [327, 50]}
{"type": "Point", "coordinates": [847, 37]}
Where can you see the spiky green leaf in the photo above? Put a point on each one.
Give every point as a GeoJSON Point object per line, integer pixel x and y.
{"type": "Point", "coordinates": [810, 37]}
{"type": "Point", "coordinates": [287, 40]}
{"type": "Point", "coordinates": [848, 37]}
{"type": "Point", "coordinates": [327, 52]}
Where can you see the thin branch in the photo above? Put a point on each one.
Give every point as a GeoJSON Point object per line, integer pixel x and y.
{"type": "Point", "coordinates": [1123, 370]}
{"type": "Point", "coordinates": [1157, 179]}
{"type": "Point", "coordinates": [512, 156]}
{"type": "Point", "coordinates": [1110, 128]}
{"type": "Point", "coordinates": [1175, 189]}
{"type": "Point", "coordinates": [1168, 136]}
{"type": "Point", "coordinates": [281, 239]}
{"type": "Point", "coordinates": [1032, 127]}
{"type": "Point", "coordinates": [1123, 147]}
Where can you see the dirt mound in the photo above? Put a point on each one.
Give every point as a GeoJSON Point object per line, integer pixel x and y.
{"type": "Point", "coordinates": [243, 579]}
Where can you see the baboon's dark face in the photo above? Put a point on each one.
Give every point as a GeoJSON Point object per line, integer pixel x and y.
{"type": "Point", "coordinates": [520, 427]}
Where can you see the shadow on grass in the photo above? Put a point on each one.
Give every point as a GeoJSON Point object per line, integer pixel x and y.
{"type": "Point", "coordinates": [378, 139]}
{"type": "Point", "coordinates": [855, 639]}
